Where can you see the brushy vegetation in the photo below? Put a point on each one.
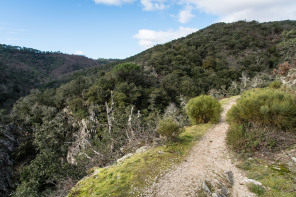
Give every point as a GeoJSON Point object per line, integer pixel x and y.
{"type": "Point", "coordinates": [211, 60]}
{"type": "Point", "coordinates": [22, 69]}
{"type": "Point", "coordinates": [257, 189]}
{"type": "Point", "coordinates": [169, 128]}
{"type": "Point", "coordinates": [266, 107]}
{"type": "Point", "coordinates": [131, 177]}
{"type": "Point", "coordinates": [203, 109]}
{"type": "Point", "coordinates": [276, 84]}
{"type": "Point", "coordinates": [259, 116]}
{"type": "Point", "coordinates": [262, 124]}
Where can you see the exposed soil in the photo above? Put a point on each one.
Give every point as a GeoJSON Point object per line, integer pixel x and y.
{"type": "Point", "coordinates": [208, 161]}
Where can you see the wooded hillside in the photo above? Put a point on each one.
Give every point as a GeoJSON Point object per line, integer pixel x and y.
{"type": "Point", "coordinates": [98, 117]}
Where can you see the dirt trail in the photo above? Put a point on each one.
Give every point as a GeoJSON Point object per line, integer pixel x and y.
{"type": "Point", "coordinates": [208, 161]}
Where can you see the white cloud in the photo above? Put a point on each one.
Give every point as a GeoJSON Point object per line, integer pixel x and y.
{"type": "Point", "coordinates": [225, 10]}
{"type": "Point", "coordinates": [233, 10]}
{"type": "Point", "coordinates": [186, 15]}
{"type": "Point", "coordinates": [79, 53]}
{"type": "Point", "coordinates": [148, 38]}
{"type": "Point", "coordinates": [150, 5]}
{"type": "Point", "coordinates": [113, 2]}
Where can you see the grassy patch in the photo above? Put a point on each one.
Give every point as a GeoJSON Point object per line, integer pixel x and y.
{"type": "Point", "coordinates": [257, 189]}
{"type": "Point", "coordinates": [131, 177]}
{"type": "Point", "coordinates": [276, 178]}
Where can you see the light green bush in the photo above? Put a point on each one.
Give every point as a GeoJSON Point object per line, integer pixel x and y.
{"type": "Point", "coordinates": [260, 120]}
{"type": "Point", "coordinates": [169, 128]}
{"type": "Point", "coordinates": [203, 109]}
{"type": "Point", "coordinates": [276, 84]}
{"type": "Point", "coordinates": [266, 107]}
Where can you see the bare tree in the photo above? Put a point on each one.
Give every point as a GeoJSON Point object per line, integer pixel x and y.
{"type": "Point", "coordinates": [110, 118]}
{"type": "Point", "coordinates": [130, 132]}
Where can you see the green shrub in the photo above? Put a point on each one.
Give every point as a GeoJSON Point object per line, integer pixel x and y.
{"type": "Point", "coordinates": [257, 189]}
{"type": "Point", "coordinates": [169, 128]}
{"type": "Point", "coordinates": [260, 120]}
{"type": "Point", "coordinates": [265, 107]}
{"type": "Point", "coordinates": [248, 138]}
{"type": "Point", "coordinates": [78, 108]}
{"type": "Point", "coordinates": [276, 84]}
{"type": "Point", "coordinates": [127, 72]}
{"type": "Point", "coordinates": [203, 109]}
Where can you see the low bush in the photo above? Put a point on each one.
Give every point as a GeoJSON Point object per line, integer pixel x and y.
{"type": "Point", "coordinates": [261, 120]}
{"type": "Point", "coordinates": [203, 109]}
{"type": "Point", "coordinates": [276, 84]}
{"type": "Point", "coordinates": [250, 138]}
{"type": "Point", "coordinates": [265, 107]}
{"type": "Point", "coordinates": [169, 128]}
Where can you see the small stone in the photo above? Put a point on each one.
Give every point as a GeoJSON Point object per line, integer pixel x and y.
{"type": "Point", "coordinates": [211, 141]}
{"type": "Point", "coordinates": [246, 181]}
{"type": "Point", "coordinates": [215, 195]}
{"type": "Point", "coordinates": [160, 152]}
{"type": "Point", "coordinates": [218, 195]}
{"type": "Point", "coordinates": [224, 191]}
{"type": "Point", "coordinates": [206, 188]}
{"type": "Point", "coordinates": [294, 159]}
{"type": "Point", "coordinates": [122, 149]}
{"type": "Point", "coordinates": [142, 149]}
{"type": "Point", "coordinates": [230, 177]}
{"type": "Point", "coordinates": [218, 183]}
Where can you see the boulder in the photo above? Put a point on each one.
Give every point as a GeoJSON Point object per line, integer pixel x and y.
{"type": "Point", "coordinates": [124, 157]}
{"type": "Point", "coordinates": [8, 143]}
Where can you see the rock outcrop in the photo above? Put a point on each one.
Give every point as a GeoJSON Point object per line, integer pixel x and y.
{"type": "Point", "coordinates": [8, 143]}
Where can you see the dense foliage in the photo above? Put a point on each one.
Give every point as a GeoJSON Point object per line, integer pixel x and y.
{"type": "Point", "coordinates": [276, 84]}
{"type": "Point", "coordinates": [271, 107]}
{"type": "Point", "coordinates": [22, 69]}
{"type": "Point", "coordinates": [52, 120]}
{"type": "Point", "coordinates": [98, 117]}
{"type": "Point", "coordinates": [258, 118]}
{"type": "Point", "coordinates": [214, 57]}
{"type": "Point", "coordinates": [203, 109]}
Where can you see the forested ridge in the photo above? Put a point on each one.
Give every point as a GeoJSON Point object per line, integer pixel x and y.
{"type": "Point", "coordinates": [22, 69]}
{"type": "Point", "coordinates": [96, 118]}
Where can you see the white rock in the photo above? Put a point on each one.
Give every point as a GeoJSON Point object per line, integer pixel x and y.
{"type": "Point", "coordinates": [97, 171]}
{"type": "Point", "coordinates": [215, 195]}
{"type": "Point", "coordinates": [247, 181]}
{"type": "Point", "coordinates": [142, 149]}
{"type": "Point", "coordinates": [124, 157]}
{"type": "Point", "coordinates": [294, 159]}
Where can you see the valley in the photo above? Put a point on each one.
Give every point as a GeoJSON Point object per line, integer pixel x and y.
{"type": "Point", "coordinates": [66, 120]}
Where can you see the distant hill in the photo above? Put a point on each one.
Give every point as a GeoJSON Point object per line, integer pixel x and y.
{"type": "Point", "coordinates": [230, 42]}
{"type": "Point", "coordinates": [22, 69]}
{"type": "Point", "coordinates": [217, 55]}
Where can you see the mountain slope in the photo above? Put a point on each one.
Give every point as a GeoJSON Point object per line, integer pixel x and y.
{"type": "Point", "coordinates": [98, 117]}
{"type": "Point", "coordinates": [217, 55]}
{"type": "Point", "coordinates": [22, 69]}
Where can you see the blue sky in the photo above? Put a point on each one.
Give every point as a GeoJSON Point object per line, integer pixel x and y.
{"type": "Point", "coordinates": [122, 28]}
